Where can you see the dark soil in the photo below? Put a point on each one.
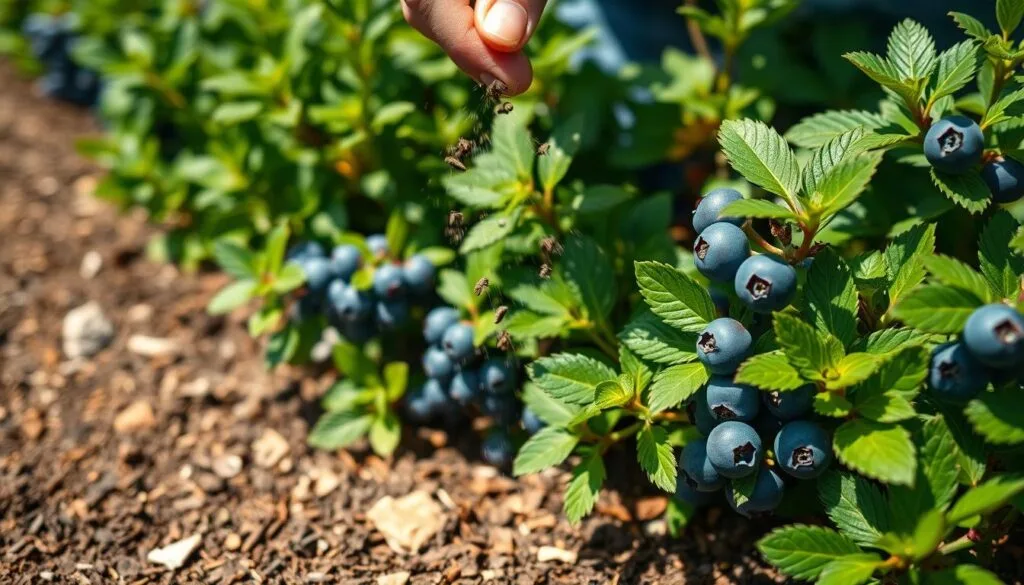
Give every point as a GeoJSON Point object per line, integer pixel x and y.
{"type": "Point", "coordinates": [88, 487]}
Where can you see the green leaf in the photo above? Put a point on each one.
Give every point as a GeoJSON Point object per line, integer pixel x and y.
{"type": "Point", "coordinates": [1009, 14]}
{"type": "Point", "coordinates": [757, 152]}
{"type": "Point", "coordinates": [237, 261]}
{"type": "Point", "coordinates": [911, 51]}
{"type": "Point", "coordinates": [675, 384]}
{"type": "Point", "coordinates": [231, 297]}
{"type": "Point", "coordinates": [804, 349]}
{"type": "Point", "coordinates": [543, 299]}
{"type": "Point", "coordinates": [390, 114]}
{"type": "Point", "coordinates": [844, 183]}
{"type": "Point", "coordinates": [742, 489]}
{"type": "Point", "coordinates": [986, 498]}
{"type": "Point", "coordinates": [678, 299]}
{"type": "Point", "coordinates": [588, 272]}
{"type": "Point", "coordinates": [998, 417]}
{"type": "Point", "coordinates": [756, 208]}
{"type": "Point", "coordinates": [512, 144]}
{"type": "Point", "coordinates": [289, 278]}
{"type": "Point", "coordinates": [553, 412]}
{"type": "Point", "coordinates": [962, 575]}
{"type": "Point", "coordinates": [885, 74]}
{"type": "Point", "coordinates": [830, 297]}
{"type": "Point", "coordinates": [656, 457]}
{"type": "Point", "coordinates": [997, 112]}
{"type": "Point", "coordinates": [967, 190]}
{"type": "Point", "coordinates": [878, 450]}
{"type": "Point", "coordinates": [581, 494]}
{"type": "Point", "coordinates": [832, 404]}
{"type": "Point", "coordinates": [233, 113]}
{"type": "Point", "coordinates": [611, 394]}
{"type": "Point", "coordinates": [396, 379]}
{"type": "Point", "coordinates": [600, 199]}
{"type": "Point", "coordinates": [819, 129]}
{"type": "Point", "coordinates": [397, 231]}
{"type": "Point", "coordinates": [770, 371]}
{"type": "Point", "coordinates": [972, 26]}
{"type": "Point", "coordinates": [939, 461]}
{"type": "Point", "coordinates": [571, 378]}
{"type": "Point", "coordinates": [385, 434]}
{"type": "Point", "coordinates": [886, 395]}
{"type": "Point", "coordinates": [856, 506]}
{"type": "Point", "coordinates": [852, 369]}
{"type": "Point", "coordinates": [904, 260]}
{"type": "Point", "coordinates": [548, 447]}
{"type": "Point", "coordinates": [654, 340]}
{"type": "Point", "coordinates": [634, 370]}
{"type": "Point", "coordinates": [891, 339]}
{"type": "Point", "coordinates": [850, 570]}
{"type": "Point", "coordinates": [337, 430]}
{"type": "Point", "coordinates": [277, 242]}
{"type": "Point", "coordinates": [479, 187]}
{"type": "Point", "coordinates": [801, 552]}
{"type": "Point", "coordinates": [488, 231]}
{"type": "Point", "coordinates": [455, 289]}
{"type": "Point", "coordinates": [530, 325]}
{"type": "Point", "coordinates": [1001, 267]}
{"type": "Point", "coordinates": [957, 66]}
{"type": "Point", "coordinates": [351, 362]}
{"type": "Point", "coordinates": [937, 308]}
{"type": "Point", "coordinates": [562, 146]}
{"type": "Point", "coordinates": [829, 156]}
{"type": "Point", "coordinates": [972, 453]}
{"type": "Point", "coordinates": [954, 273]}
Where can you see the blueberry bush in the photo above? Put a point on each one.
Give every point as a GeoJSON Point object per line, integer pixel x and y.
{"type": "Point", "coordinates": [836, 333]}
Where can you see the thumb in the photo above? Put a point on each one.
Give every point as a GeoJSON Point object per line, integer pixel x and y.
{"type": "Point", "coordinates": [506, 25]}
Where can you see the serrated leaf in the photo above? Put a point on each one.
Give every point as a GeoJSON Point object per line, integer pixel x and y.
{"type": "Point", "coordinates": [939, 461]}
{"type": "Point", "coordinates": [231, 297]}
{"type": "Point", "coordinates": [756, 208]}
{"type": "Point", "coordinates": [972, 453]}
{"type": "Point", "coordinates": [892, 339]}
{"type": "Point", "coordinates": [830, 297]}
{"type": "Point", "coordinates": [530, 325]}
{"type": "Point", "coordinates": [962, 575]}
{"type": "Point", "coordinates": [512, 144]}
{"type": "Point", "coordinates": [562, 146]}
{"type": "Point", "coordinates": [826, 158]}
{"type": "Point", "coordinates": [904, 260]}
{"type": "Point", "coordinates": [936, 308]}
{"type": "Point", "coordinates": [455, 289]}
{"type": "Point", "coordinates": [1009, 14]}
{"type": "Point", "coordinates": [856, 506]}
{"type": "Point", "coordinates": [843, 184]}
{"type": "Point", "coordinates": [911, 50]}
{"type": "Point", "coordinates": [850, 570]}
{"type": "Point", "coordinates": [675, 384]}
{"type": "Point", "coordinates": [886, 396]}
{"type": "Point", "coordinates": [589, 272]}
{"type": "Point", "coordinates": [769, 371]}
{"type": "Point", "coordinates": [998, 112]}
{"type": "Point", "coordinates": [353, 363]}
{"type": "Point", "coordinates": [654, 340]}
{"type": "Point", "coordinates": [805, 350]}
{"type": "Point", "coordinates": [656, 457]}
{"type": "Point", "coordinates": [1001, 267]}
{"type": "Point", "coordinates": [954, 273]}
{"type": "Point", "coordinates": [817, 130]}
{"type": "Point", "coordinates": [237, 261]}
{"type": "Point", "coordinates": [553, 412]}
{"type": "Point", "coordinates": [546, 448]}
{"type": "Point", "coordinates": [674, 297]}
{"type": "Point", "coordinates": [998, 417]}
{"type": "Point", "coordinates": [385, 434]}
{"type": "Point", "coordinates": [986, 498]}
{"type": "Point", "coordinates": [852, 369]}
{"type": "Point", "coordinates": [957, 66]}
{"type": "Point", "coordinates": [611, 394]}
{"type": "Point", "coordinates": [882, 451]}
{"type": "Point", "coordinates": [885, 74]}
{"type": "Point", "coordinates": [970, 25]}
{"type": "Point", "coordinates": [337, 430]}
{"type": "Point", "coordinates": [967, 190]}
{"type": "Point", "coordinates": [539, 299]}
{"type": "Point", "coordinates": [488, 231]}
{"type": "Point", "coordinates": [581, 493]}
{"type": "Point", "coordinates": [757, 152]}
{"type": "Point", "coordinates": [479, 187]}
{"type": "Point", "coordinates": [801, 552]}
{"type": "Point", "coordinates": [832, 404]}
{"type": "Point", "coordinates": [571, 378]}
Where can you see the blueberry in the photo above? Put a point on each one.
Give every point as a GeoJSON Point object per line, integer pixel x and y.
{"type": "Point", "coordinates": [304, 250]}
{"type": "Point", "coordinates": [765, 283]}
{"type": "Point", "coordinates": [392, 313]}
{"type": "Point", "coordinates": [503, 408]}
{"type": "Point", "coordinates": [437, 365]}
{"type": "Point", "coordinates": [803, 449]}
{"type": "Point", "coordinates": [497, 377]}
{"type": "Point", "coordinates": [765, 497]}
{"type": "Point", "coordinates": [418, 274]}
{"type": "Point", "coordinates": [700, 414]}
{"type": "Point", "coordinates": [710, 207]}
{"type": "Point", "coordinates": [1005, 180]}
{"type": "Point", "coordinates": [723, 345]}
{"type": "Point", "coordinates": [345, 261]}
{"type": "Point", "coordinates": [531, 422]}
{"type": "Point", "coordinates": [347, 303]}
{"type": "Point", "coordinates": [734, 448]}
{"type": "Point", "coordinates": [436, 392]}
{"type": "Point", "coordinates": [358, 331]}
{"type": "Point", "coordinates": [720, 250]}
{"type": "Point", "coordinates": [378, 245]}
{"type": "Point", "coordinates": [418, 407]}
{"type": "Point", "coordinates": [954, 144]}
{"type": "Point", "coordinates": [465, 385]}
{"type": "Point", "coordinates": [458, 342]}
{"type": "Point", "coordinates": [318, 274]}
{"type": "Point", "coordinates": [686, 493]}
{"type": "Point", "coordinates": [792, 403]}
{"type": "Point", "coordinates": [955, 374]}
{"type": "Point", "coordinates": [728, 400]}
{"type": "Point", "coordinates": [437, 322]}
{"type": "Point", "coordinates": [497, 448]}
{"type": "Point", "coordinates": [387, 281]}
{"type": "Point", "coordinates": [995, 335]}
{"type": "Point", "coordinates": [306, 307]}
{"type": "Point", "coordinates": [694, 465]}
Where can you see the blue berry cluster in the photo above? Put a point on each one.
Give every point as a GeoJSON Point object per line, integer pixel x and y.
{"type": "Point", "coordinates": [992, 343]}
{"type": "Point", "coordinates": [51, 39]}
{"type": "Point", "coordinates": [954, 145]}
{"type": "Point", "coordinates": [763, 282]}
{"type": "Point", "coordinates": [359, 315]}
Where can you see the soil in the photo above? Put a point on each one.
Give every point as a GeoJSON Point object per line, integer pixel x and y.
{"type": "Point", "coordinates": [105, 459]}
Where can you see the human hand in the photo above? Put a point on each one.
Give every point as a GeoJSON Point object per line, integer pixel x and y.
{"type": "Point", "coordinates": [486, 41]}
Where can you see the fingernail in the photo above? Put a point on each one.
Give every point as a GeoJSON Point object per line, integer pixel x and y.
{"type": "Point", "coordinates": [487, 79]}
{"type": "Point", "coordinates": [506, 21]}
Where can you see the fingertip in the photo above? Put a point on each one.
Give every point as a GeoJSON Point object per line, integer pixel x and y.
{"type": "Point", "coordinates": [504, 25]}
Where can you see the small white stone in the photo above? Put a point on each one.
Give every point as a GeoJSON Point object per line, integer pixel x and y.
{"type": "Point", "coordinates": [269, 449]}
{"type": "Point", "coordinates": [227, 466]}
{"type": "Point", "coordinates": [399, 578]}
{"type": "Point", "coordinates": [92, 262]}
{"type": "Point", "coordinates": [553, 553]}
{"type": "Point", "coordinates": [86, 331]}
{"type": "Point", "coordinates": [407, 523]}
{"type": "Point", "coordinates": [174, 555]}
{"type": "Point", "coordinates": [148, 346]}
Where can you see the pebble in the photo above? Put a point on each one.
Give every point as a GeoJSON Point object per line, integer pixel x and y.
{"type": "Point", "coordinates": [269, 449]}
{"type": "Point", "coordinates": [553, 553]}
{"type": "Point", "coordinates": [91, 265]}
{"type": "Point", "coordinates": [399, 578]}
{"type": "Point", "coordinates": [233, 542]}
{"type": "Point", "coordinates": [174, 555]}
{"type": "Point", "coordinates": [86, 331]}
{"type": "Point", "coordinates": [407, 523]}
{"type": "Point", "coordinates": [227, 466]}
{"type": "Point", "coordinates": [148, 346]}
{"type": "Point", "coordinates": [137, 417]}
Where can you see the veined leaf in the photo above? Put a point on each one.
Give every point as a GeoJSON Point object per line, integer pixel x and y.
{"type": "Point", "coordinates": [986, 498]}
{"type": "Point", "coordinates": [850, 570]}
{"type": "Point", "coordinates": [758, 153]}
{"type": "Point", "coordinates": [673, 385]}
{"type": "Point", "coordinates": [830, 297]}
{"type": "Point", "coordinates": [547, 448]}
{"type": "Point", "coordinates": [882, 451]}
{"type": "Point", "coordinates": [570, 378]}
{"type": "Point", "coordinates": [817, 130]}
{"type": "Point", "coordinates": [857, 506]}
{"type": "Point", "coordinates": [656, 457]}
{"type": "Point", "coordinates": [844, 183]}
{"type": "Point", "coordinates": [911, 51]}
{"type": "Point", "coordinates": [654, 340]}
{"type": "Point", "coordinates": [954, 273]}
{"type": "Point", "coordinates": [1001, 267]}
{"type": "Point", "coordinates": [826, 158]}
{"type": "Point", "coordinates": [904, 260]}
{"type": "Point", "coordinates": [937, 308]}
{"type": "Point", "coordinates": [581, 494]}
{"type": "Point", "coordinates": [756, 208]}
{"type": "Point", "coordinates": [801, 552]}
{"type": "Point", "coordinates": [967, 190]}
{"type": "Point", "coordinates": [770, 371]}
{"type": "Point", "coordinates": [808, 353]}
{"type": "Point", "coordinates": [997, 416]}
{"type": "Point", "coordinates": [957, 66]}
{"type": "Point", "coordinates": [679, 300]}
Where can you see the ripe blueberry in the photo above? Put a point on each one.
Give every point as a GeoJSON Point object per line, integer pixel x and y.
{"type": "Point", "coordinates": [720, 250]}
{"type": "Point", "coordinates": [457, 342]}
{"type": "Point", "coordinates": [428, 401]}
{"type": "Point", "coordinates": [497, 377]}
{"type": "Point", "coordinates": [392, 313]}
{"type": "Point", "coordinates": [686, 493]}
{"type": "Point", "coordinates": [531, 422]}
{"type": "Point", "coordinates": [387, 281]}
{"type": "Point", "coordinates": [765, 283]}
{"type": "Point", "coordinates": [418, 274]}
{"type": "Point", "coordinates": [700, 414]}
{"type": "Point", "coordinates": [359, 331]}
{"type": "Point", "coordinates": [694, 465]}
{"type": "Point", "coordinates": [306, 307]}
{"type": "Point", "coordinates": [318, 273]}
{"type": "Point", "coordinates": [803, 449]}
{"type": "Point", "coordinates": [1005, 180]}
{"type": "Point", "coordinates": [995, 335]}
{"type": "Point", "coordinates": [728, 400]}
{"type": "Point", "coordinates": [437, 365]}
{"type": "Point", "coordinates": [954, 144]}
{"type": "Point", "coordinates": [792, 403]}
{"type": "Point", "coordinates": [503, 408]}
{"type": "Point", "coordinates": [465, 385]}
{"type": "Point", "coordinates": [378, 245]}
{"type": "Point", "coordinates": [418, 406]}
{"type": "Point", "coordinates": [304, 250]}
{"type": "Point", "coordinates": [723, 345]}
{"type": "Point", "coordinates": [734, 448]}
{"type": "Point", "coordinates": [955, 374]}
{"type": "Point", "coordinates": [438, 321]}
{"type": "Point", "coordinates": [345, 261]}
{"type": "Point", "coordinates": [765, 497]}
{"type": "Point", "coordinates": [347, 303]}
{"type": "Point", "coordinates": [710, 207]}
{"type": "Point", "coordinates": [497, 448]}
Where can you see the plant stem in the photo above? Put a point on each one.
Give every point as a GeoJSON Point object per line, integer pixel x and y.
{"type": "Point", "coordinates": [760, 241]}
{"type": "Point", "coordinates": [700, 44]}
{"type": "Point", "coordinates": [962, 543]}
{"type": "Point", "coordinates": [602, 344]}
